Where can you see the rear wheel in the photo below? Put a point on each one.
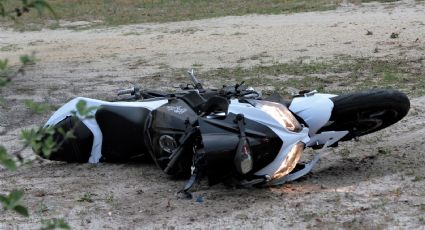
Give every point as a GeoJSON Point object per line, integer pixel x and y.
{"type": "Point", "coordinates": [365, 112]}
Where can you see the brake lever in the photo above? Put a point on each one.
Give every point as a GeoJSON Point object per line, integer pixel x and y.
{"type": "Point", "coordinates": [238, 85]}
{"type": "Point", "coordinates": [195, 81]}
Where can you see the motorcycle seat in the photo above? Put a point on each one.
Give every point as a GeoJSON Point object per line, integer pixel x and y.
{"type": "Point", "coordinates": [200, 105]}
{"type": "Point", "coordinates": [123, 130]}
{"type": "Point", "coordinates": [194, 100]}
{"type": "Point", "coordinates": [215, 104]}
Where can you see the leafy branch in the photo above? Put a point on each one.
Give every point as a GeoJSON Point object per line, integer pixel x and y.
{"type": "Point", "coordinates": [43, 142]}
{"type": "Point", "coordinates": [42, 139]}
{"type": "Point", "coordinates": [84, 111]}
{"type": "Point", "coordinates": [25, 7]}
{"type": "Point", "coordinates": [7, 73]}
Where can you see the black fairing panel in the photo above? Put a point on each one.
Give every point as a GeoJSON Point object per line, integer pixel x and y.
{"type": "Point", "coordinates": [275, 97]}
{"type": "Point", "coordinates": [171, 120]}
{"type": "Point", "coordinates": [123, 130]}
{"type": "Point", "coordinates": [220, 139]}
{"type": "Point", "coordinates": [76, 149]}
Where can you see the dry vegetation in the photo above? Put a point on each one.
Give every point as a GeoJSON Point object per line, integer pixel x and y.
{"type": "Point", "coordinates": [120, 12]}
{"type": "Point", "coordinates": [339, 75]}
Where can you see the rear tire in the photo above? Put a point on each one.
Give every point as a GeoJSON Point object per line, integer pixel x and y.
{"type": "Point", "coordinates": [366, 112]}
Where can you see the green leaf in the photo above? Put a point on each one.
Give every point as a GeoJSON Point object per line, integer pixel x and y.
{"type": "Point", "coordinates": [21, 210]}
{"type": "Point", "coordinates": [3, 200]}
{"type": "Point", "coordinates": [2, 10]}
{"type": "Point", "coordinates": [61, 131]}
{"type": "Point", "coordinates": [3, 81]}
{"type": "Point", "coordinates": [55, 224]}
{"type": "Point", "coordinates": [5, 159]}
{"type": "Point", "coordinates": [15, 196]}
{"type": "Point", "coordinates": [83, 111]}
{"type": "Point", "coordinates": [9, 164]}
{"type": "Point", "coordinates": [49, 130]}
{"type": "Point", "coordinates": [63, 225]}
{"type": "Point", "coordinates": [27, 59]}
{"type": "Point", "coordinates": [41, 5]}
{"type": "Point", "coordinates": [28, 136]}
{"type": "Point", "coordinates": [13, 202]}
{"type": "Point", "coordinates": [4, 64]}
{"type": "Point", "coordinates": [49, 146]}
{"type": "Point", "coordinates": [45, 140]}
{"type": "Point", "coordinates": [69, 135]}
{"type": "Point", "coordinates": [81, 107]}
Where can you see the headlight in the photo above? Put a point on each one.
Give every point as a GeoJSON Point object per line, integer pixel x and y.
{"type": "Point", "coordinates": [290, 161]}
{"type": "Point", "coordinates": [281, 114]}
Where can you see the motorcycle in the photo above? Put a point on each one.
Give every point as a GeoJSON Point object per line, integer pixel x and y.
{"type": "Point", "coordinates": [228, 134]}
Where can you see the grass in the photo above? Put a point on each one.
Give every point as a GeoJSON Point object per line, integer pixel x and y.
{"type": "Point", "coordinates": [37, 108]}
{"type": "Point", "coordinates": [259, 57]}
{"type": "Point", "coordinates": [417, 178]}
{"type": "Point", "coordinates": [364, 1]}
{"type": "Point", "coordinates": [332, 76]}
{"type": "Point", "coordinates": [87, 197]}
{"type": "Point", "coordinates": [8, 48]}
{"type": "Point", "coordinates": [121, 12]}
{"type": "Point", "coordinates": [138, 63]}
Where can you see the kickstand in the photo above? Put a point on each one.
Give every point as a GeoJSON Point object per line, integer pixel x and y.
{"type": "Point", "coordinates": [189, 184]}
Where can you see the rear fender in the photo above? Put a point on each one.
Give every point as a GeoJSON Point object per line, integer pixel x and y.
{"type": "Point", "coordinates": [67, 109]}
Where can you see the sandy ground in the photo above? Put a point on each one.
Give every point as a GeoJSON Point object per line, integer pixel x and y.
{"type": "Point", "coordinates": [374, 183]}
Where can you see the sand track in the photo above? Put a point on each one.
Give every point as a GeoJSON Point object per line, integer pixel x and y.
{"type": "Point", "coordinates": [375, 183]}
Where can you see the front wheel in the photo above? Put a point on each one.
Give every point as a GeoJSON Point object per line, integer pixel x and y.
{"type": "Point", "coordinates": [366, 112]}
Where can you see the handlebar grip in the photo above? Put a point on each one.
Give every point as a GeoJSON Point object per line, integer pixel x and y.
{"type": "Point", "coordinates": [126, 91]}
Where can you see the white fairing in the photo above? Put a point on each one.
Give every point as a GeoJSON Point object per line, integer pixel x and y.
{"type": "Point", "coordinates": [66, 110]}
{"type": "Point", "coordinates": [326, 138]}
{"type": "Point", "coordinates": [315, 110]}
{"type": "Point", "coordinates": [288, 138]}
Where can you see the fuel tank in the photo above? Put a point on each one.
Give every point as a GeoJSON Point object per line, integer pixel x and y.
{"type": "Point", "coordinates": [169, 123]}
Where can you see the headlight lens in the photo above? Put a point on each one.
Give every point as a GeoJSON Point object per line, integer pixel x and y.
{"type": "Point", "coordinates": [290, 161]}
{"type": "Point", "coordinates": [281, 114]}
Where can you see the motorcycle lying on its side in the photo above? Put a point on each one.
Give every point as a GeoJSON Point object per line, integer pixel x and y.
{"type": "Point", "coordinates": [228, 134]}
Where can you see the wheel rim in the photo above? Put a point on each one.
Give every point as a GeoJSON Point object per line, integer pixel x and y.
{"type": "Point", "coordinates": [370, 121]}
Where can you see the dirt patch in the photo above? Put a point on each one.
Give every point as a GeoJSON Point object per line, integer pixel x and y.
{"type": "Point", "coordinates": [374, 183]}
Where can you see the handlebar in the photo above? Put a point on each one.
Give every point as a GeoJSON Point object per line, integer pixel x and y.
{"type": "Point", "coordinates": [195, 81]}
{"type": "Point", "coordinates": [233, 91]}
